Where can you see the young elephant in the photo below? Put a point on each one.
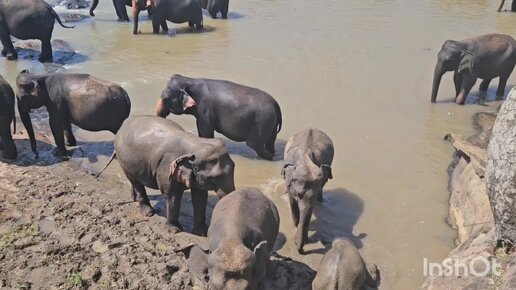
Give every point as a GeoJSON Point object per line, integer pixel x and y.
{"type": "Point", "coordinates": [214, 6]}
{"type": "Point", "coordinates": [342, 268]}
{"type": "Point", "coordinates": [157, 153]}
{"type": "Point", "coordinates": [238, 112]}
{"type": "Point", "coordinates": [242, 233]}
{"type": "Point", "coordinates": [120, 10]}
{"type": "Point", "coordinates": [80, 99]}
{"type": "Point", "coordinates": [27, 19]}
{"type": "Point", "coordinates": [7, 116]}
{"type": "Point", "coordinates": [307, 168]}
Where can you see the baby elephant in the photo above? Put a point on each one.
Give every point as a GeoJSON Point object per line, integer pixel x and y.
{"type": "Point", "coordinates": [7, 116]}
{"type": "Point", "coordinates": [307, 168]}
{"type": "Point", "coordinates": [243, 229]}
{"type": "Point", "coordinates": [157, 153]}
{"type": "Point", "coordinates": [238, 112]}
{"type": "Point", "coordinates": [80, 99]}
{"type": "Point", "coordinates": [342, 268]}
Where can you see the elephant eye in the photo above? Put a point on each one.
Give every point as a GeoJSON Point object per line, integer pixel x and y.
{"type": "Point", "coordinates": [195, 169]}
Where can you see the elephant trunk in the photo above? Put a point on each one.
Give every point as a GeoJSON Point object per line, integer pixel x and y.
{"type": "Point", "coordinates": [226, 188]}
{"type": "Point", "coordinates": [438, 74]}
{"type": "Point", "coordinates": [27, 123]}
{"type": "Point", "coordinates": [161, 110]}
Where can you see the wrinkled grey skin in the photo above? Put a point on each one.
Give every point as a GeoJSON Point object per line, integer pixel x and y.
{"type": "Point", "coordinates": [502, 2]}
{"type": "Point", "coordinates": [486, 57]}
{"type": "Point", "coordinates": [238, 112]}
{"type": "Point", "coordinates": [27, 19]}
{"type": "Point", "coordinates": [307, 168]}
{"type": "Point", "coordinates": [242, 233]}
{"type": "Point", "coordinates": [157, 153]}
{"type": "Point", "coordinates": [342, 268]}
{"type": "Point", "coordinates": [216, 6]}
{"type": "Point", "coordinates": [7, 116]}
{"type": "Point", "coordinates": [176, 11]}
{"type": "Point", "coordinates": [80, 99]}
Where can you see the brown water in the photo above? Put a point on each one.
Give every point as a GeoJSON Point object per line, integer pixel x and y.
{"type": "Point", "coordinates": [361, 70]}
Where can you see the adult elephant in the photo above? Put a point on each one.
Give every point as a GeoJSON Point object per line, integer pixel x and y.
{"type": "Point", "coordinates": [157, 153]}
{"type": "Point", "coordinates": [176, 11]}
{"type": "Point", "coordinates": [244, 227]}
{"type": "Point", "coordinates": [216, 6]}
{"type": "Point", "coordinates": [27, 19]}
{"type": "Point", "coordinates": [238, 112]}
{"type": "Point", "coordinates": [80, 99]}
{"type": "Point", "coordinates": [486, 57]}
{"type": "Point", "coordinates": [513, 6]}
{"type": "Point", "coordinates": [120, 9]}
{"type": "Point", "coordinates": [7, 116]}
{"type": "Point", "coordinates": [307, 168]}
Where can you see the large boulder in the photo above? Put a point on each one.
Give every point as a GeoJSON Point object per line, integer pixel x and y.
{"type": "Point", "coordinates": [501, 171]}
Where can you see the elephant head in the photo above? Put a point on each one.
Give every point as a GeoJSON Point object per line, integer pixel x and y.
{"type": "Point", "coordinates": [210, 168]}
{"type": "Point", "coordinates": [31, 94]}
{"type": "Point", "coordinates": [231, 266]}
{"type": "Point", "coordinates": [453, 56]}
{"type": "Point", "coordinates": [175, 98]}
{"type": "Point", "coordinates": [305, 179]}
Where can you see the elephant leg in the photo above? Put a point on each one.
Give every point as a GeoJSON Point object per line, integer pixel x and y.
{"type": "Point", "coordinates": [205, 130]}
{"type": "Point", "coordinates": [7, 143]}
{"type": "Point", "coordinates": [46, 49]}
{"type": "Point", "coordinates": [121, 11]}
{"type": "Point", "coordinates": [224, 10]}
{"type": "Point", "coordinates": [294, 209]}
{"type": "Point", "coordinates": [501, 85]}
{"type": "Point", "coordinates": [8, 51]}
{"type": "Point", "coordinates": [70, 138]}
{"type": "Point", "coordinates": [484, 85]}
{"type": "Point", "coordinates": [270, 143]}
{"type": "Point", "coordinates": [191, 24]}
{"type": "Point", "coordinates": [457, 81]}
{"type": "Point", "coordinates": [302, 227]}
{"type": "Point", "coordinates": [56, 120]}
{"type": "Point", "coordinates": [135, 12]}
{"type": "Point", "coordinates": [199, 202]}
{"type": "Point", "coordinates": [140, 195]}
{"type": "Point", "coordinates": [173, 207]}
{"type": "Point", "coordinates": [468, 81]}
{"type": "Point", "coordinates": [164, 25]}
{"type": "Point", "coordinates": [155, 25]}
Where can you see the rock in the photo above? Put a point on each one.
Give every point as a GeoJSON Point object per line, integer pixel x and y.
{"type": "Point", "coordinates": [99, 247]}
{"type": "Point", "coordinates": [501, 171]}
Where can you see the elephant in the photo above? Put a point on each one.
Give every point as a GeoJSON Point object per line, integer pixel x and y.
{"type": "Point", "coordinates": [342, 268]}
{"type": "Point", "coordinates": [176, 11]}
{"type": "Point", "coordinates": [157, 153]}
{"type": "Point", "coordinates": [486, 57]}
{"type": "Point", "coordinates": [241, 236]}
{"type": "Point", "coordinates": [7, 116]}
{"type": "Point", "coordinates": [502, 2]}
{"type": "Point", "coordinates": [307, 168]}
{"type": "Point", "coordinates": [27, 19]}
{"type": "Point", "coordinates": [238, 112]}
{"type": "Point", "coordinates": [216, 6]}
{"type": "Point", "coordinates": [120, 10]}
{"type": "Point", "coordinates": [80, 99]}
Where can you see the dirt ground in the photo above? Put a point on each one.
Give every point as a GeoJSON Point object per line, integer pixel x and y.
{"type": "Point", "coordinates": [61, 228]}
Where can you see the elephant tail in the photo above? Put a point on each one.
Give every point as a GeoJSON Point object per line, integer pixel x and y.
{"type": "Point", "coordinates": [53, 12]}
{"type": "Point", "coordinates": [278, 115]}
{"type": "Point", "coordinates": [107, 164]}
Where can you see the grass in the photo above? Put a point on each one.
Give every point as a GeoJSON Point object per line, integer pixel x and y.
{"type": "Point", "coordinates": [19, 232]}
{"type": "Point", "coordinates": [76, 280]}
{"type": "Point", "coordinates": [501, 256]}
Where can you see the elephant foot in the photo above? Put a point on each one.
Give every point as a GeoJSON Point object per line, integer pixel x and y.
{"type": "Point", "coordinates": [266, 155]}
{"type": "Point", "coordinates": [12, 56]}
{"type": "Point", "coordinates": [146, 210]}
{"type": "Point", "coordinates": [224, 16]}
{"type": "Point", "coordinates": [45, 59]}
{"type": "Point", "coordinates": [71, 142]}
{"type": "Point", "coordinates": [4, 52]}
{"type": "Point", "coordinates": [123, 20]}
{"type": "Point", "coordinates": [174, 227]}
{"type": "Point", "coordinates": [200, 230]}
{"type": "Point", "coordinates": [60, 152]}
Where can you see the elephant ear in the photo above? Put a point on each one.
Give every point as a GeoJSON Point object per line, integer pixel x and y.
{"type": "Point", "coordinates": [188, 101]}
{"type": "Point", "coordinates": [196, 258]}
{"type": "Point", "coordinates": [261, 253]}
{"type": "Point", "coordinates": [181, 170]}
{"type": "Point", "coordinates": [326, 170]}
{"type": "Point", "coordinates": [286, 172]}
{"type": "Point", "coordinates": [466, 61]}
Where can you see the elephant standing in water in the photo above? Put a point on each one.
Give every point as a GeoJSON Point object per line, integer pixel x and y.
{"type": "Point", "coordinates": [120, 10]}
{"type": "Point", "coordinates": [27, 19]}
{"type": "Point", "coordinates": [216, 6]}
{"type": "Point", "coordinates": [307, 168]}
{"type": "Point", "coordinates": [80, 99]}
{"type": "Point", "coordinates": [513, 6]}
{"type": "Point", "coordinates": [342, 267]}
{"type": "Point", "coordinates": [238, 112]}
{"type": "Point", "coordinates": [244, 227]}
{"type": "Point", "coordinates": [7, 116]}
{"type": "Point", "coordinates": [487, 57]}
{"type": "Point", "coordinates": [157, 153]}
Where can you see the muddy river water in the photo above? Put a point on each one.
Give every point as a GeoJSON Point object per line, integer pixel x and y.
{"type": "Point", "coordinates": [361, 70]}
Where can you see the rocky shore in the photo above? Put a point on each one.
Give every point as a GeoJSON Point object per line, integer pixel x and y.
{"type": "Point", "coordinates": [471, 213]}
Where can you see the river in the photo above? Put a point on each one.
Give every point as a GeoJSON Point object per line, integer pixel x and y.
{"type": "Point", "coordinates": [360, 70]}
